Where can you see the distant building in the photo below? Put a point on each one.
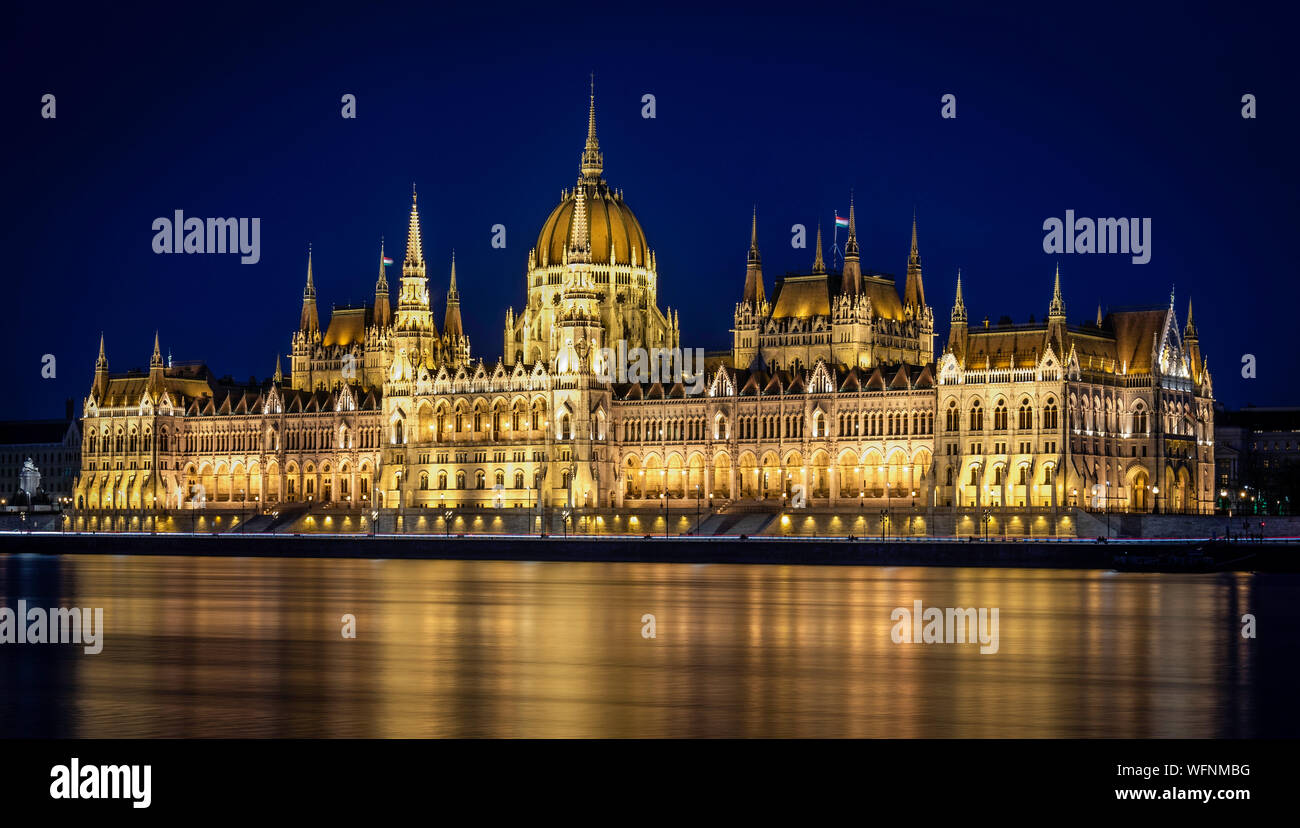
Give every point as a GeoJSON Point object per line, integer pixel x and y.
{"type": "Point", "coordinates": [1257, 459]}
{"type": "Point", "coordinates": [54, 448]}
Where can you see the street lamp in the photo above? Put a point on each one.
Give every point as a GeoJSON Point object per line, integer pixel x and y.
{"type": "Point", "coordinates": [988, 516]}
{"type": "Point", "coordinates": [663, 496]}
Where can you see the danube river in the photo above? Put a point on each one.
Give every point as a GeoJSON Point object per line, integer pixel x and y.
{"type": "Point", "coordinates": [236, 647]}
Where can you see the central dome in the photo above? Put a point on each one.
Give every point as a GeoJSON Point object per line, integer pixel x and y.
{"type": "Point", "coordinates": [609, 220]}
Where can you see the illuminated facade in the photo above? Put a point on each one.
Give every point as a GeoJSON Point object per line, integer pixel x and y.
{"type": "Point", "coordinates": [830, 397]}
{"type": "Point", "coordinates": [1115, 415]}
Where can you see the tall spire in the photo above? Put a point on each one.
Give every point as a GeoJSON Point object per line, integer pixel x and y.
{"type": "Point", "coordinates": [958, 305]}
{"type": "Point", "coordinates": [1189, 332]}
{"type": "Point", "coordinates": [852, 279]}
{"type": "Point", "coordinates": [309, 322]}
{"type": "Point", "coordinates": [156, 360]}
{"type": "Point", "coordinates": [279, 375]}
{"type": "Point", "coordinates": [754, 268]}
{"type": "Point", "coordinates": [413, 294]}
{"type": "Point", "coordinates": [819, 265]}
{"type": "Point", "coordinates": [414, 248]}
{"type": "Point", "coordinates": [579, 232]}
{"type": "Point", "coordinates": [383, 309]}
{"type": "Point", "coordinates": [914, 288]}
{"type": "Point", "coordinates": [1057, 307]}
{"type": "Point", "coordinates": [592, 161]}
{"type": "Point", "coordinates": [452, 328]}
{"type": "Point", "coordinates": [100, 385]}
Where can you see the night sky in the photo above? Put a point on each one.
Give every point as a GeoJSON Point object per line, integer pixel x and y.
{"type": "Point", "coordinates": [223, 110]}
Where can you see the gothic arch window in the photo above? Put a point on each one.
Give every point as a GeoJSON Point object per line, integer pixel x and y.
{"type": "Point", "coordinates": [1050, 415]}
{"type": "Point", "coordinates": [1026, 420]}
{"type": "Point", "coordinates": [1000, 416]}
{"type": "Point", "coordinates": [519, 480]}
{"type": "Point", "coordinates": [976, 416]}
{"type": "Point", "coordinates": [460, 480]}
{"type": "Point", "coordinates": [950, 420]}
{"type": "Point", "coordinates": [480, 479]}
{"type": "Point", "coordinates": [442, 480]}
{"type": "Point", "coordinates": [424, 481]}
{"type": "Point", "coordinates": [500, 478]}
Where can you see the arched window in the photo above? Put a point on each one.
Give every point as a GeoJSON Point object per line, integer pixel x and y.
{"type": "Point", "coordinates": [500, 478]}
{"type": "Point", "coordinates": [976, 416]}
{"type": "Point", "coordinates": [564, 427]}
{"type": "Point", "coordinates": [442, 480]}
{"type": "Point", "coordinates": [949, 476]}
{"type": "Point", "coordinates": [1026, 421]}
{"type": "Point", "coordinates": [460, 480]}
{"type": "Point", "coordinates": [950, 421]}
{"type": "Point", "coordinates": [1000, 416]}
{"type": "Point", "coordinates": [519, 480]}
{"type": "Point", "coordinates": [480, 479]}
{"type": "Point", "coordinates": [424, 480]}
{"type": "Point", "coordinates": [1049, 415]}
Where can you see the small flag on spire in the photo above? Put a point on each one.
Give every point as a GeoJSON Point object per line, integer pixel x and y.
{"type": "Point", "coordinates": [387, 261]}
{"type": "Point", "coordinates": [841, 222]}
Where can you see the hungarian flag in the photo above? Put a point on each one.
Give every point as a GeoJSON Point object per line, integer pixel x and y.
{"type": "Point", "coordinates": [841, 222]}
{"type": "Point", "coordinates": [387, 261]}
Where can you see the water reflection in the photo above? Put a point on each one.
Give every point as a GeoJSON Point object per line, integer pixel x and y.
{"type": "Point", "coordinates": [253, 647]}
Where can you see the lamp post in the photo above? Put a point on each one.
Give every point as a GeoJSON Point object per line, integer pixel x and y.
{"type": "Point", "coordinates": [1155, 490]}
{"type": "Point", "coordinates": [988, 516]}
{"type": "Point", "coordinates": [697, 508]}
{"type": "Point", "coordinates": [663, 496]}
{"type": "Point", "coordinates": [911, 513]}
{"type": "Point", "coordinates": [446, 522]}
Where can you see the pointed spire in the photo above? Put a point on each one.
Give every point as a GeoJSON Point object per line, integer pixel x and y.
{"type": "Point", "coordinates": [1189, 332]}
{"type": "Point", "coordinates": [1098, 314]}
{"type": "Point", "coordinates": [383, 308]}
{"type": "Point", "coordinates": [279, 375]}
{"type": "Point", "coordinates": [1057, 306]}
{"type": "Point", "coordinates": [156, 361]}
{"type": "Point", "coordinates": [308, 321]}
{"type": "Point", "coordinates": [414, 247]}
{"type": "Point", "coordinates": [452, 329]}
{"type": "Point", "coordinates": [819, 265]}
{"type": "Point", "coordinates": [958, 305]}
{"type": "Point", "coordinates": [914, 289]}
{"type": "Point", "coordinates": [753, 293]}
{"type": "Point", "coordinates": [592, 161]}
{"type": "Point", "coordinates": [381, 284]}
{"type": "Point", "coordinates": [100, 386]}
{"type": "Point", "coordinates": [579, 232]}
{"type": "Point", "coordinates": [851, 281]}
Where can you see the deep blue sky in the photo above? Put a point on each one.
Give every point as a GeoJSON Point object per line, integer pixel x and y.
{"type": "Point", "coordinates": [232, 111]}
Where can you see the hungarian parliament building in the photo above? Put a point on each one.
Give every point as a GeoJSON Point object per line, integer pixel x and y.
{"type": "Point", "coordinates": [831, 397]}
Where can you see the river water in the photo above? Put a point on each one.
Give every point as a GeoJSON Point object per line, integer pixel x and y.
{"type": "Point", "coordinates": [237, 647]}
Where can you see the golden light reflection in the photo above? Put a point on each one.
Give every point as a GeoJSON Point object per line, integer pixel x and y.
{"type": "Point", "coordinates": [208, 647]}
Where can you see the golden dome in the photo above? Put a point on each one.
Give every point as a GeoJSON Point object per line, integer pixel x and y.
{"type": "Point", "coordinates": [608, 218]}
